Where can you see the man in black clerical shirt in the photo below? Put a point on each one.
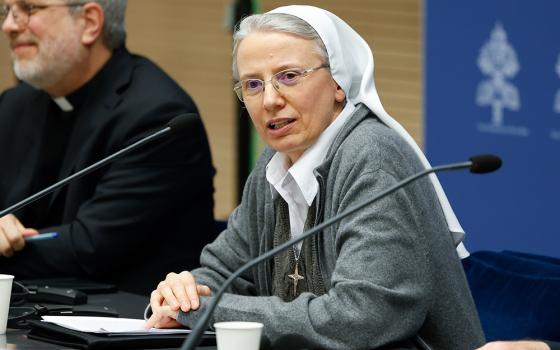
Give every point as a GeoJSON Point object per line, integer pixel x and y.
{"type": "Point", "coordinates": [83, 97]}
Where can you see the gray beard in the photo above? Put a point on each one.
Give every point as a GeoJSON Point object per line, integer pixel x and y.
{"type": "Point", "coordinates": [36, 76]}
{"type": "Point", "coordinates": [49, 67]}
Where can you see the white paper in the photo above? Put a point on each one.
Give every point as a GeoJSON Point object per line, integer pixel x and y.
{"type": "Point", "coordinates": [109, 325]}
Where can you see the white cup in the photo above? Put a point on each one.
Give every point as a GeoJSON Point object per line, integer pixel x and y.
{"type": "Point", "coordinates": [238, 335]}
{"type": "Point", "coordinates": [5, 293]}
{"type": "Point", "coordinates": [3, 342]}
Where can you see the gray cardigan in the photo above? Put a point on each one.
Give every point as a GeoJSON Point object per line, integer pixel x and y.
{"type": "Point", "coordinates": [391, 269]}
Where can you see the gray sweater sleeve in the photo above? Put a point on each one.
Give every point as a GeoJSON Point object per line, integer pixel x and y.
{"type": "Point", "coordinates": [377, 283]}
{"type": "Point", "coordinates": [232, 248]}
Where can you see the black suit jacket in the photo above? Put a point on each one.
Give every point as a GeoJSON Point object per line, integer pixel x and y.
{"type": "Point", "coordinates": [130, 223]}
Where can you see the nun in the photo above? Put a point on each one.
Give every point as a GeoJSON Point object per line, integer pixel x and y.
{"type": "Point", "coordinates": [388, 276]}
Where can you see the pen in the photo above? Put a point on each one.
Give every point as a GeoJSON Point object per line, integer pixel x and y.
{"type": "Point", "coordinates": [41, 236]}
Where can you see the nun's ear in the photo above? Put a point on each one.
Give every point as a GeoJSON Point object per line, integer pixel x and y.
{"type": "Point", "coordinates": [340, 95]}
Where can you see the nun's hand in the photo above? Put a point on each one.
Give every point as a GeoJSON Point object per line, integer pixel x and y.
{"type": "Point", "coordinates": [176, 292]}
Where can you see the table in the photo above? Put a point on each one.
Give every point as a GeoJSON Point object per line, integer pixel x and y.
{"type": "Point", "coordinates": [127, 304]}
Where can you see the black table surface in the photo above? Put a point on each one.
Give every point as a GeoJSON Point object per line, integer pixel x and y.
{"type": "Point", "coordinates": [127, 305]}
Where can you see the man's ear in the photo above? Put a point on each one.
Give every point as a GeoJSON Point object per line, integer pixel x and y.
{"type": "Point", "coordinates": [93, 17]}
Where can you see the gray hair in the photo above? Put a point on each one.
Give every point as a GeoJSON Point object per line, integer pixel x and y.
{"type": "Point", "coordinates": [276, 22]}
{"type": "Point", "coordinates": [114, 32]}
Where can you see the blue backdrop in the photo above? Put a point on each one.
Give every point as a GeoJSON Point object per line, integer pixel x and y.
{"type": "Point", "coordinates": [492, 82]}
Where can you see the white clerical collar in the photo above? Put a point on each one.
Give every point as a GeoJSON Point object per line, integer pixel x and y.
{"type": "Point", "coordinates": [302, 170]}
{"type": "Point", "coordinates": [63, 104]}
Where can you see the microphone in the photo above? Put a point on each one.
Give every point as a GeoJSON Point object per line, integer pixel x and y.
{"type": "Point", "coordinates": [176, 125]}
{"type": "Point", "coordinates": [478, 164]}
{"type": "Point", "coordinates": [485, 163]}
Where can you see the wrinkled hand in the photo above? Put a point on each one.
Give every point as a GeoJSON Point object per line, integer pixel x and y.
{"type": "Point", "coordinates": [12, 234]}
{"type": "Point", "coordinates": [515, 345]}
{"type": "Point", "coordinates": [176, 292]}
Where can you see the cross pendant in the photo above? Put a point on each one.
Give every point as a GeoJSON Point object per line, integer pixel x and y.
{"type": "Point", "coordinates": [296, 277]}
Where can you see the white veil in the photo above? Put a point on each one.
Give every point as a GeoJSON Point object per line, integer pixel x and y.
{"type": "Point", "coordinates": [351, 65]}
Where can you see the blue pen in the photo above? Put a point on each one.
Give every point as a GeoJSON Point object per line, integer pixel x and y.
{"type": "Point", "coordinates": [41, 236]}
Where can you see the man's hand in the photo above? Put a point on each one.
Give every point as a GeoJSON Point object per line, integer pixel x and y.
{"type": "Point", "coordinates": [12, 234]}
{"type": "Point", "coordinates": [177, 291]}
{"type": "Point", "coordinates": [515, 345]}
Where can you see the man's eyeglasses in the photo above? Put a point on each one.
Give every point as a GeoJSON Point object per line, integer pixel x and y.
{"type": "Point", "coordinates": [281, 81]}
{"type": "Point", "coordinates": [22, 11]}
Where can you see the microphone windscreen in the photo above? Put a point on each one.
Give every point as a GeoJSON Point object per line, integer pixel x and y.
{"type": "Point", "coordinates": [485, 163]}
{"type": "Point", "coordinates": [181, 122]}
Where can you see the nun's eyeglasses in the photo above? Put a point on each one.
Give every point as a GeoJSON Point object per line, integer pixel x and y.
{"type": "Point", "coordinates": [283, 80]}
